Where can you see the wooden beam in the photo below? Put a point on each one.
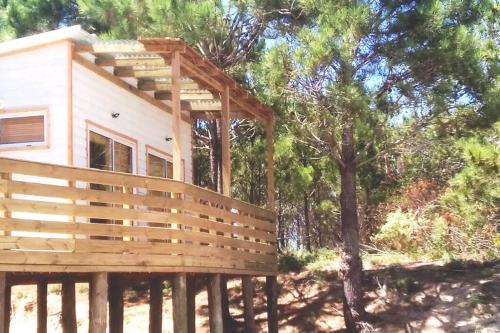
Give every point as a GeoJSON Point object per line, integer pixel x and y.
{"type": "Point", "coordinates": [157, 85]}
{"type": "Point", "coordinates": [270, 164]}
{"type": "Point", "coordinates": [179, 303]}
{"type": "Point", "coordinates": [155, 305]}
{"type": "Point", "coordinates": [130, 61]}
{"type": "Point", "coordinates": [226, 143]}
{"type": "Point", "coordinates": [68, 306]}
{"type": "Point", "coordinates": [4, 302]}
{"type": "Point", "coordinates": [41, 307]}
{"type": "Point", "coordinates": [116, 306]}
{"type": "Point", "coordinates": [247, 288]}
{"type": "Point", "coordinates": [143, 72]}
{"type": "Point", "coordinates": [176, 116]}
{"type": "Point", "coordinates": [98, 302]}
{"type": "Point", "coordinates": [272, 303]}
{"type": "Point", "coordinates": [214, 304]}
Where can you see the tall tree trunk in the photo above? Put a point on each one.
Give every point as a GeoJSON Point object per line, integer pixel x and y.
{"type": "Point", "coordinates": [351, 270]}
{"type": "Point", "coordinates": [307, 222]}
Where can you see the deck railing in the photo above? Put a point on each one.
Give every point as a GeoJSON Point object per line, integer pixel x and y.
{"type": "Point", "coordinates": [66, 219]}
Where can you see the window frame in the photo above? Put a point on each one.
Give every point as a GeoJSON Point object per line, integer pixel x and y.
{"type": "Point", "coordinates": [23, 113]}
{"type": "Point", "coordinates": [115, 137]}
{"type": "Point", "coordinates": [150, 150]}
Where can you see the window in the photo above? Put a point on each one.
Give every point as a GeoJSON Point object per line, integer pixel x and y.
{"type": "Point", "coordinates": [106, 153]}
{"type": "Point", "coordinates": [23, 129]}
{"type": "Point", "coordinates": [159, 167]}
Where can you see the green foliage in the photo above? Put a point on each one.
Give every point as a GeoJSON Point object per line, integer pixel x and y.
{"type": "Point", "coordinates": [474, 193]}
{"type": "Point", "coordinates": [398, 232]}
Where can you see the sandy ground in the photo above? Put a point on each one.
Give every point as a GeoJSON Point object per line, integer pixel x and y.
{"type": "Point", "coordinates": [409, 298]}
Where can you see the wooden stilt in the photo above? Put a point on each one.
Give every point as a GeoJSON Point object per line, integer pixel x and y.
{"type": "Point", "coordinates": [191, 303]}
{"type": "Point", "coordinates": [41, 307]}
{"type": "Point", "coordinates": [8, 308]}
{"type": "Point", "coordinates": [155, 305]}
{"type": "Point", "coordinates": [179, 303]}
{"type": "Point", "coordinates": [98, 302]}
{"type": "Point", "coordinates": [4, 303]}
{"type": "Point", "coordinates": [68, 307]}
{"type": "Point", "coordinates": [116, 288]}
{"type": "Point", "coordinates": [215, 304]}
{"type": "Point", "coordinates": [272, 303]}
{"type": "Point", "coordinates": [247, 287]}
{"type": "Point", "coordinates": [226, 316]}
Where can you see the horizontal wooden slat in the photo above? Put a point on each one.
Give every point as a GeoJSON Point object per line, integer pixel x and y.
{"type": "Point", "coordinates": [116, 246]}
{"type": "Point", "coordinates": [114, 230]}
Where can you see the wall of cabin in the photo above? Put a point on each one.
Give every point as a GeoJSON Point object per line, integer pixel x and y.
{"type": "Point", "coordinates": [140, 123]}
{"type": "Point", "coordinates": [38, 78]}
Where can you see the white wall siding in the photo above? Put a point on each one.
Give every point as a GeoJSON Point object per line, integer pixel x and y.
{"type": "Point", "coordinates": [39, 78]}
{"type": "Point", "coordinates": [95, 99]}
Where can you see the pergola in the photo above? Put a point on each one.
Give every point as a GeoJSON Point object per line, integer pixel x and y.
{"type": "Point", "coordinates": [171, 75]}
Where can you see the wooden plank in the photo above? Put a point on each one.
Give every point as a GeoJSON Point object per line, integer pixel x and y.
{"type": "Point", "coordinates": [68, 313]}
{"type": "Point", "coordinates": [162, 85]}
{"type": "Point", "coordinates": [89, 175]}
{"type": "Point", "coordinates": [155, 305]}
{"type": "Point", "coordinates": [41, 307]}
{"type": "Point", "coordinates": [125, 198]}
{"type": "Point", "coordinates": [143, 71]}
{"type": "Point", "coordinates": [112, 230]}
{"type": "Point", "coordinates": [98, 302]}
{"type": "Point", "coordinates": [247, 289]}
{"type": "Point", "coordinates": [179, 303]}
{"type": "Point", "coordinates": [272, 304]}
{"type": "Point", "coordinates": [33, 268]}
{"type": "Point", "coordinates": [214, 304]}
{"type": "Point", "coordinates": [129, 61]}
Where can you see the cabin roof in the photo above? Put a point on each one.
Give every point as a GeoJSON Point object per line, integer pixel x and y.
{"type": "Point", "coordinates": [144, 65]}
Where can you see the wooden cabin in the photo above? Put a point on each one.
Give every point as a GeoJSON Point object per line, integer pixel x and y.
{"type": "Point", "coordinates": [96, 179]}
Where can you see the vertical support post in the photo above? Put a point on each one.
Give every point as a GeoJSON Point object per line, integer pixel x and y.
{"type": "Point", "coordinates": [270, 163]}
{"type": "Point", "coordinates": [116, 288]}
{"type": "Point", "coordinates": [272, 303]}
{"type": "Point", "coordinates": [176, 116]}
{"type": "Point", "coordinates": [191, 303]}
{"type": "Point", "coordinates": [155, 305]}
{"type": "Point", "coordinates": [68, 306]}
{"type": "Point", "coordinates": [215, 304]}
{"type": "Point", "coordinates": [179, 303]}
{"type": "Point", "coordinates": [4, 303]}
{"type": "Point", "coordinates": [98, 303]}
{"type": "Point", "coordinates": [41, 307]}
{"type": "Point", "coordinates": [8, 308]}
{"type": "Point", "coordinates": [225, 141]}
{"type": "Point", "coordinates": [247, 288]}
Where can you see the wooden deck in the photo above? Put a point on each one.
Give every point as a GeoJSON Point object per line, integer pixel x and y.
{"type": "Point", "coordinates": [67, 219]}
